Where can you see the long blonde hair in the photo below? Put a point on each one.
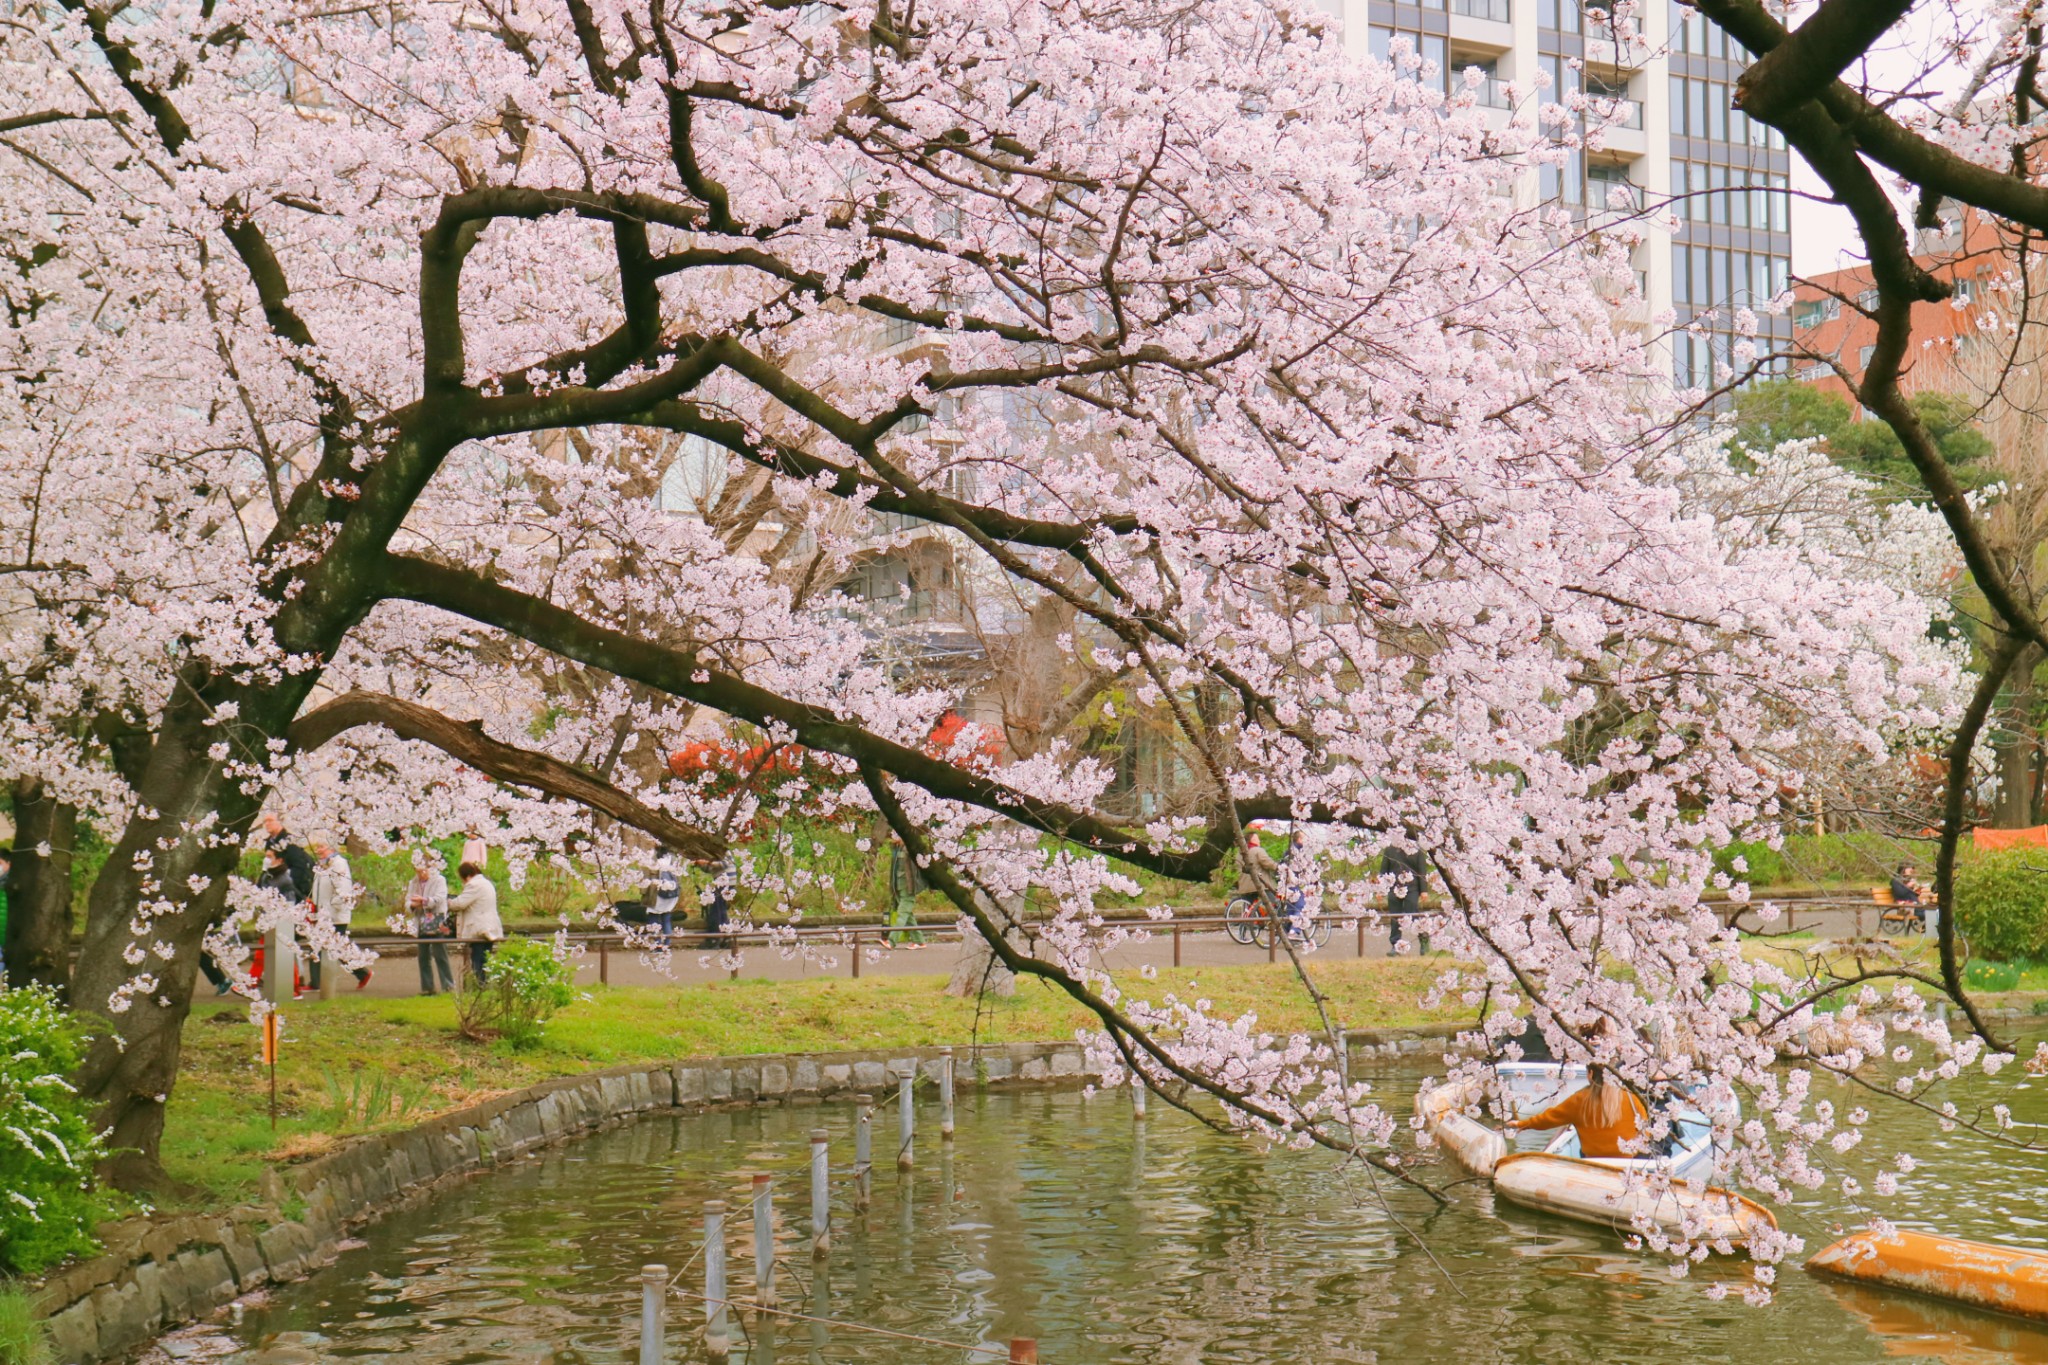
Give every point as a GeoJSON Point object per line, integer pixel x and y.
{"type": "Point", "coordinates": [1613, 1105]}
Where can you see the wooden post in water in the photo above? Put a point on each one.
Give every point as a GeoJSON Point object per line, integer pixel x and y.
{"type": "Point", "coordinates": [717, 1341]}
{"type": "Point", "coordinates": [906, 1103]}
{"type": "Point", "coordinates": [1344, 1052]}
{"type": "Point", "coordinates": [863, 1149]}
{"type": "Point", "coordinates": [821, 1194]}
{"type": "Point", "coordinates": [764, 1241]}
{"type": "Point", "coordinates": [1137, 1095]}
{"type": "Point", "coordinates": [946, 1094]}
{"type": "Point", "coordinates": [653, 1315]}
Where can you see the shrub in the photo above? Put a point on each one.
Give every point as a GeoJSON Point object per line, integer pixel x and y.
{"type": "Point", "coordinates": [526, 984]}
{"type": "Point", "coordinates": [2002, 905]}
{"type": "Point", "coordinates": [48, 1203]}
{"type": "Point", "coordinates": [1991, 977]}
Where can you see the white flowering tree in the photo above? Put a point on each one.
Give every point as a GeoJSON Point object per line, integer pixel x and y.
{"type": "Point", "coordinates": [343, 347]}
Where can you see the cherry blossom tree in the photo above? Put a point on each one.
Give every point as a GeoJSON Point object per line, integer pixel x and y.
{"type": "Point", "coordinates": [345, 345]}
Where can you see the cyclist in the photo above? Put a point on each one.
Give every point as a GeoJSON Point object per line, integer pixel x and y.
{"type": "Point", "coordinates": [1293, 888]}
{"type": "Point", "coordinates": [1257, 873]}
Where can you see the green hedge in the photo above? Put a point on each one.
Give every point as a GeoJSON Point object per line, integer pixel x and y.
{"type": "Point", "coordinates": [2002, 904]}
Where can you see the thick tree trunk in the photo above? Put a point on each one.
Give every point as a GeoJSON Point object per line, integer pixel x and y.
{"type": "Point", "coordinates": [189, 833]}
{"type": "Point", "coordinates": [38, 947]}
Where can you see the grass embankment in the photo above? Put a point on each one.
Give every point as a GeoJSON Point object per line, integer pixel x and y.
{"type": "Point", "coordinates": [404, 1060]}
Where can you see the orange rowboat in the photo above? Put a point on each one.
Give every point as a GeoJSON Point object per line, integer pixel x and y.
{"type": "Point", "coordinates": [2007, 1279]}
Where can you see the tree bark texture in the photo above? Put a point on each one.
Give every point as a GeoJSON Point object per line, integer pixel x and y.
{"type": "Point", "coordinates": [38, 947]}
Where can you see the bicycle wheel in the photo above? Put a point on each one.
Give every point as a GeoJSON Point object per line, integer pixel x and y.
{"type": "Point", "coordinates": [1319, 930]}
{"type": "Point", "coordinates": [1242, 919]}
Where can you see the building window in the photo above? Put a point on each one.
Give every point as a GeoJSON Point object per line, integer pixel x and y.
{"type": "Point", "coordinates": [1809, 313]}
{"type": "Point", "coordinates": [1620, 107]}
{"type": "Point", "coordinates": [1867, 300]}
{"type": "Point", "coordinates": [1863, 357]}
{"type": "Point", "coordinates": [1608, 187]}
{"type": "Point", "coordinates": [1964, 290]}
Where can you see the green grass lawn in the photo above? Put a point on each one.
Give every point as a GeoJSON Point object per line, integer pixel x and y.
{"type": "Point", "coordinates": [406, 1056]}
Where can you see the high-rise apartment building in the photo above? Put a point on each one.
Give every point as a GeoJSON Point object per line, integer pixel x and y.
{"type": "Point", "coordinates": [1680, 142]}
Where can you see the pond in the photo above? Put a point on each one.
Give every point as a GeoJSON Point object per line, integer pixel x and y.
{"type": "Point", "coordinates": [1110, 1240]}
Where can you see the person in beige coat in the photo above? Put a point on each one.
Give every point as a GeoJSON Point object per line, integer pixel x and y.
{"type": "Point", "coordinates": [475, 909]}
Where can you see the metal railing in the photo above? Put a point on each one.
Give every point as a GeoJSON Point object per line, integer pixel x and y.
{"type": "Point", "coordinates": [861, 939]}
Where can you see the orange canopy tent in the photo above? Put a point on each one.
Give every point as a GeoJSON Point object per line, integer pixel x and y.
{"type": "Point", "coordinates": [1994, 839]}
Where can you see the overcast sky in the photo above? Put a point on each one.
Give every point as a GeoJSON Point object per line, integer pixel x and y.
{"type": "Point", "coordinates": [1823, 235]}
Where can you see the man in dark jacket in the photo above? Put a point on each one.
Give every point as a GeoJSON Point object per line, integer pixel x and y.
{"type": "Point", "coordinates": [1409, 869]}
{"type": "Point", "coordinates": [297, 861]}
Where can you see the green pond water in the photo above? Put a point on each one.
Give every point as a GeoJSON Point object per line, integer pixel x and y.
{"type": "Point", "coordinates": [1060, 1217]}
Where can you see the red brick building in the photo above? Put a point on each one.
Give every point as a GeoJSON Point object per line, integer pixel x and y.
{"type": "Point", "coordinates": [1830, 312]}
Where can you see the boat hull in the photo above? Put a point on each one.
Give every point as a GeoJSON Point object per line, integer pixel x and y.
{"type": "Point", "coordinates": [1612, 1197]}
{"type": "Point", "coordinates": [1464, 1139]}
{"type": "Point", "coordinates": [2005, 1279]}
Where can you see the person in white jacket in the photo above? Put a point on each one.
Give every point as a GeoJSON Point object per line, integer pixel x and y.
{"type": "Point", "coordinates": [426, 897]}
{"type": "Point", "coordinates": [475, 908]}
{"type": "Point", "coordinates": [334, 900]}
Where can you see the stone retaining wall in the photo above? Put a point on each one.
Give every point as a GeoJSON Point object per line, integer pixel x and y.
{"type": "Point", "coordinates": [156, 1273]}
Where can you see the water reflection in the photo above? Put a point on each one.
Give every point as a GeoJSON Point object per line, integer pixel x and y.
{"type": "Point", "coordinates": [1107, 1238]}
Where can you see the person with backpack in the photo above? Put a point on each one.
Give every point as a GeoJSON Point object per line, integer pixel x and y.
{"type": "Point", "coordinates": [426, 896]}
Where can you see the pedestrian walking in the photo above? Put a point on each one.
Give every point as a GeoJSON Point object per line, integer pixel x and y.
{"type": "Point", "coordinates": [275, 877]}
{"type": "Point", "coordinates": [475, 909]}
{"type": "Point", "coordinates": [905, 881]}
{"type": "Point", "coordinates": [1409, 869]}
{"type": "Point", "coordinates": [426, 897]}
{"type": "Point", "coordinates": [333, 898]}
{"type": "Point", "coordinates": [474, 849]}
{"type": "Point", "coordinates": [717, 900]}
{"type": "Point", "coordinates": [664, 892]}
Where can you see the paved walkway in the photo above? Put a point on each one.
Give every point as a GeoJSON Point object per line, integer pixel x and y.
{"type": "Point", "coordinates": [398, 975]}
{"type": "Point", "coordinates": [689, 965]}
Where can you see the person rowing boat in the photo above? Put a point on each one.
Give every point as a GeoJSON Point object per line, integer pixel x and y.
{"type": "Point", "coordinates": [1610, 1120]}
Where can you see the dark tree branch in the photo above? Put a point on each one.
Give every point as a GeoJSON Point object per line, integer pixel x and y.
{"type": "Point", "coordinates": [2007, 652]}
{"type": "Point", "coordinates": [1812, 56]}
{"type": "Point", "coordinates": [467, 742]}
{"type": "Point", "coordinates": [685, 675]}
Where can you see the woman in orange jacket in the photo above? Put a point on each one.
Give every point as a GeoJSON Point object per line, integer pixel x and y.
{"type": "Point", "coordinates": [1608, 1117]}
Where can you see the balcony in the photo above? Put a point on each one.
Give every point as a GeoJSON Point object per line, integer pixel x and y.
{"type": "Point", "coordinates": [1482, 25]}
